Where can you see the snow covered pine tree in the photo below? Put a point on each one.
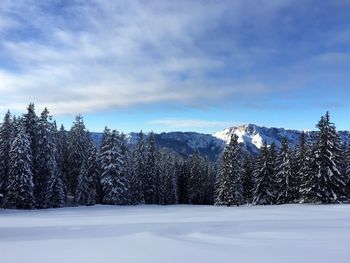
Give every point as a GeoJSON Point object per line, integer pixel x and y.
{"type": "Point", "coordinates": [151, 180]}
{"type": "Point", "coordinates": [78, 146]}
{"type": "Point", "coordinates": [6, 137]}
{"type": "Point", "coordinates": [327, 184]}
{"type": "Point", "coordinates": [20, 187]}
{"type": "Point", "coordinates": [86, 193]}
{"type": "Point", "coordinates": [113, 178]}
{"type": "Point", "coordinates": [137, 178]}
{"type": "Point", "coordinates": [264, 178]}
{"type": "Point", "coordinates": [229, 186]}
{"type": "Point", "coordinates": [286, 185]}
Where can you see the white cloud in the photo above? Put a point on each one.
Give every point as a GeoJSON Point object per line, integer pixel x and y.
{"type": "Point", "coordinates": [101, 54]}
{"type": "Point", "coordinates": [120, 54]}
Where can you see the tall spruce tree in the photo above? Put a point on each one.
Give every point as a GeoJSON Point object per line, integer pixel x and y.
{"type": "Point", "coordinates": [30, 121]}
{"type": "Point", "coordinates": [86, 193]}
{"type": "Point", "coordinates": [346, 168]}
{"type": "Point", "coordinates": [134, 181]}
{"type": "Point", "coordinates": [6, 137]}
{"type": "Point", "coordinates": [229, 186]}
{"type": "Point", "coordinates": [167, 186]}
{"type": "Point", "coordinates": [113, 178]}
{"type": "Point", "coordinates": [328, 184]}
{"type": "Point", "coordinates": [55, 194]}
{"type": "Point", "coordinates": [311, 173]}
{"type": "Point", "coordinates": [264, 178]}
{"type": "Point", "coordinates": [344, 160]}
{"type": "Point", "coordinates": [137, 180]}
{"type": "Point", "coordinates": [300, 164]}
{"type": "Point", "coordinates": [183, 182]}
{"type": "Point", "coordinates": [125, 153]}
{"type": "Point", "coordinates": [195, 182]}
{"type": "Point", "coordinates": [105, 147]}
{"type": "Point", "coordinates": [286, 186]}
{"type": "Point", "coordinates": [46, 160]}
{"type": "Point", "coordinates": [130, 175]}
{"type": "Point", "coordinates": [151, 180]}
{"type": "Point", "coordinates": [210, 175]}
{"type": "Point", "coordinates": [273, 158]}
{"type": "Point", "coordinates": [62, 155]}
{"type": "Point", "coordinates": [20, 187]}
{"type": "Point", "coordinates": [78, 146]}
{"type": "Point", "coordinates": [247, 178]}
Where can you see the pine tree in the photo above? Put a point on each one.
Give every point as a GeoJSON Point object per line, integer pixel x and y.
{"type": "Point", "coordinates": [346, 168]}
{"type": "Point", "coordinates": [105, 147]}
{"type": "Point", "coordinates": [264, 180]}
{"type": "Point", "coordinates": [209, 179]}
{"type": "Point", "coordinates": [6, 137]}
{"type": "Point", "coordinates": [210, 174]}
{"type": "Point", "coordinates": [311, 175]}
{"type": "Point", "coordinates": [247, 178]}
{"type": "Point", "coordinates": [300, 165]}
{"type": "Point", "coordinates": [150, 177]}
{"type": "Point", "coordinates": [129, 170]}
{"type": "Point", "coordinates": [62, 155]}
{"type": "Point", "coordinates": [113, 179]}
{"type": "Point", "coordinates": [273, 159]}
{"type": "Point", "coordinates": [46, 162]}
{"type": "Point", "coordinates": [78, 146]}
{"type": "Point", "coordinates": [86, 193]}
{"type": "Point", "coordinates": [167, 191]}
{"type": "Point", "coordinates": [286, 185]}
{"type": "Point", "coordinates": [134, 182]}
{"type": "Point", "coordinates": [195, 182]}
{"type": "Point", "coordinates": [125, 153]}
{"type": "Point", "coordinates": [328, 184]}
{"type": "Point", "coordinates": [343, 158]}
{"type": "Point", "coordinates": [30, 120]}
{"type": "Point", "coordinates": [20, 187]}
{"type": "Point", "coordinates": [137, 180]}
{"type": "Point", "coordinates": [229, 186]}
{"type": "Point", "coordinates": [55, 194]}
{"type": "Point", "coordinates": [183, 182]}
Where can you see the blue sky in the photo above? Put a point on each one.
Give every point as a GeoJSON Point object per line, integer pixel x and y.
{"type": "Point", "coordinates": [177, 65]}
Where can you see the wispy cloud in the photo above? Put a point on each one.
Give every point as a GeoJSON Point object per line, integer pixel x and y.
{"type": "Point", "coordinates": [81, 56]}
{"type": "Point", "coordinates": [188, 123]}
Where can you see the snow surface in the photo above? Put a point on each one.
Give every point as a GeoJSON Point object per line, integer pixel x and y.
{"type": "Point", "coordinates": [179, 233]}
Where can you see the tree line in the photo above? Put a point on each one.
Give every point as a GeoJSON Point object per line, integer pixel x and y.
{"type": "Point", "coordinates": [43, 166]}
{"type": "Point", "coordinates": [316, 171]}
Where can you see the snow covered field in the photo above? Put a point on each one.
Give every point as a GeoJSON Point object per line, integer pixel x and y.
{"type": "Point", "coordinates": [291, 233]}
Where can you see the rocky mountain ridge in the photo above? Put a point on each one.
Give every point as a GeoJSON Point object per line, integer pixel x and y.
{"type": "Point", "coordinates": [251, 137]}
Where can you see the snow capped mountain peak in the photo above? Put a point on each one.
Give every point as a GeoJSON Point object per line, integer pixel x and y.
{"type": "Point", "coordinates": [245, 133]}
{"type": "Point", "coordinates": [253, 136]}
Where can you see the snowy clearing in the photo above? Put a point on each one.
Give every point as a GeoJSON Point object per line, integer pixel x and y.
{"type": "Point", "coordinates": [179, 233]}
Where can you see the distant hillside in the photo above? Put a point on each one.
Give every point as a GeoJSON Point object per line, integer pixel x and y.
{"type": "Point", "coordinates": [250, 136]}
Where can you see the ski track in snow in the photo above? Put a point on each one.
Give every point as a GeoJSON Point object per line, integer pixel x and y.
{"type": "Point", "coordinates": [179, 233]}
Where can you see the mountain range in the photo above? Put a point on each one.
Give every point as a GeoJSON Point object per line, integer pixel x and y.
{"type": "Point", "coordinates": [250, 136]}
